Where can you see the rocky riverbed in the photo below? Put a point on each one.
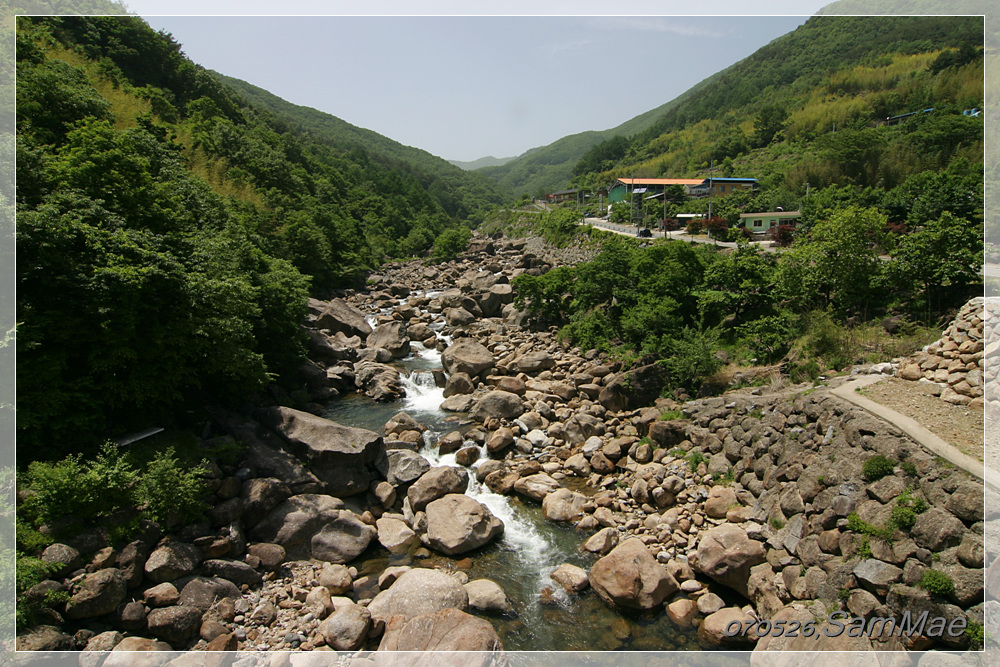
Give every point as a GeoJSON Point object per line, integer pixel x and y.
{"type": "Point", "coordinates": [746, 507]}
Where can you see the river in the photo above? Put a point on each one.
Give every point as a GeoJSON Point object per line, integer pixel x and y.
{"type": "Point", "coordinates": [544, 616]}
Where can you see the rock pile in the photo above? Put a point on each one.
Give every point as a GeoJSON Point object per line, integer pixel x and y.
{"type": "Point", "coordinates": [955, 362]}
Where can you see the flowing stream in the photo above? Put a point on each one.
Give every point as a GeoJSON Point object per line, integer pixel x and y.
{"type": "Point", "coordinates": [544, 616]}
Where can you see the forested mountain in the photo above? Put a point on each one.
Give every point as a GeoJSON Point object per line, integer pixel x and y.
{"type": "Point", "coordinates": [462, 194]}
{"type": "Point", "coordinates": [170, 226]}
{"type": "Point", "coordinates": [488, 161]}
{"type": "Point", "coordinates": [773, 109]}
{"type": "Point", "coordinates": [549, 168]}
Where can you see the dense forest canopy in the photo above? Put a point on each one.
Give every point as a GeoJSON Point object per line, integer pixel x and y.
{"type": "Point", "coordinates": [146, 180]}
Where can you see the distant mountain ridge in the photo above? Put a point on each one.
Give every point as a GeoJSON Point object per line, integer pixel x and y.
{"type": "Point", "coordinates": [488, 161]}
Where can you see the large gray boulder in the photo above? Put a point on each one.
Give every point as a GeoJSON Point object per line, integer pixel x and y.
{"type": "Point", "coordinates": [419, 591]}
{"type": "Point", "coordinates": [294, 521]}
{"type": "Point", "coordinates": [176, 624]}
{"type": "Point", "coordinates": [437, 483]}
{"type": "Point", "coordinates": [457, 523]}
{"type": "Point", "coordinates": [172, 560]}
{"type": "Point", "coordinates": [391, 336]}
{"type": "Point", "coordinates": [346, 459]}
{"type": "Point", "coordinates": [343, 539]}
{"type": "Point", "coordinates": [378, 381]}
{"type": "Point", "coordinates": [340, 316]}
{"type": "Point", "coordinates": [497, 404]}
{"type": "Point", "coordinates": [466, 355]}
{"type": "Point", "coordinates": [631, 577]}
{"type": "Point", "coordinates": [563, 505]}
{"type": "Point", "coordinates": [405, 466]}
{"type": "Point", "coordinates": [99, 593]}
{"type": "Point", "coordinates": [395, 535]}
{"type": "Point", "coordinates": [726, 554]}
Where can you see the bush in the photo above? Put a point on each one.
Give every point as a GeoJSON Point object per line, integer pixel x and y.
{"type": "Point", "coordinates": [169, 493]}
{"type": "Point", "coordinates": [937, 583]}
{"type": "Point", "coordinates": [450, 243]}
{"type": "Point", "coordinates": [694, 459]}
{"type": "Point", "coordinates": [876, 467]}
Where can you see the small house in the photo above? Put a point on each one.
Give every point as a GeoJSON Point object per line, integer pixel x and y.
{"type": "Point", "coordinates": [762, 223]}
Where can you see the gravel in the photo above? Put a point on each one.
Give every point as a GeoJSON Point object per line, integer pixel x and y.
{"type": "Point", "coordinates": [955, 424]}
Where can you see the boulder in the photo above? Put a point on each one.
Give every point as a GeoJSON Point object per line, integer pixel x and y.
{"type": "Point", "coordinates": [497, 404]}
{"type": "Point", "coordinates": [171, 561]}
{"type": "Point", "coordinates": [536, 486]}
{"type": "Point", "coordinates": [405, 466]}
{"type": "Point", "coordinates": [713, 629]}
{"type": "Point", "coordinates": [457, 523]}
{"type": "Point", "coordinates": [44, 638]}
{"type": "Point", "coordinates": [437, 483]}
{"type": "Point", "coordinates": [458, 384]}
{"type": "Point", "coordinates": [342, 539]}
{"type": "Point", "coordinates": [572, 578]}
{"type": "Point", "coordinates": [457, 317]}
{"type": "Point", "coordinates": [631, 577]}
{"type": "Point", "coordinates": [535, 362]}
{"type": "Point", "coordinates": [937, 529]}
{"type": "Point", "coordinates": [99, 593]}
{"type": "Point", "coordinates": [391, 336]}
{"type": "Point", "coordinates": [446, 630]}
{"type": "Point", "coordinates": [726, 554]}
{"type": "Point", "coordinates": [235, 571]}
{"type": "Point", "coordinates": [466, 355]}
{"type": "Point", "coordinates": [63, 557]}
{"type": "Point", "coordinates": [395, 535]}
{"type": "Point", "coordinates": [876, 576]}
{"type": "Point", "coordinates": [602, 541]}
{"type": "Point", "coordinates": [563, 505]}
{"type": "Point", "coordinates": [346, 459]}
{"type": "Point", "coordinates": [175, 625]}
{"type": "Point", "coordinates": [419, 591]}
{"type": "Point", "coordinates": [486, 595]}
{"type": "Point", "coordinates": [338, 315]}
{"type": "Point", "coordinates": [202, 592]}
{"type": "Point", "coordinates": [262, 494]}
{"type": "Point", "coordinates": [378, 381]}
{"type": "Point", "coordinates": [720, 500]}
{"type": "Point", "coordinates": [346, 628]}
{"type": "Point", "coordinates": [293, 522]}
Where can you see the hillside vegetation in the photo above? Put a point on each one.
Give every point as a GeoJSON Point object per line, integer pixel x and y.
{"type": "Point", "coordinates": [170, 227]}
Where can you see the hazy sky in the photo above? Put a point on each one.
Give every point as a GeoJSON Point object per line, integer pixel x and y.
{"type": "Point", "coordinates": [463, 87]}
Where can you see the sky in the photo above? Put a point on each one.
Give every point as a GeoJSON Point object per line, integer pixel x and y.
{"type": "Point", "coordinates": [466, 87]}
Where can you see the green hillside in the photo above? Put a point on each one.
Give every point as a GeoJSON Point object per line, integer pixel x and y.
{"type": "Point", "coordinates": [461, 193]}
{"type": "Point", "coordinates": [170, 227]}
{"type": "Point", "coordinates": [549, 168]}
{"type": "Point", "coordinates": [844, 72]}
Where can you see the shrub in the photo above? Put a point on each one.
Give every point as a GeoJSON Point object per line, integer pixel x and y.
{"type": "Point", "coordinates": [909, 468]}
{"type": "Point", "coordinates": [450, 243]}
{"type": "Point", "coordinates": [903, 517]}
{"type": "Point", "coordinates": [670, 415]}
{"type": "Point", "coordinates": [695, 458]}
{"type": "Point", "coordinates": [937, 583]}
{"type": "Point", "coordinates": [169, 493]}
{"type": "Point", "coordinates": [876, 467]}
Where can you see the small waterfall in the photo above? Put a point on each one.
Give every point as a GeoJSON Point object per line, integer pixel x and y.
{"type": "Point", "coordinates": [422, 393]}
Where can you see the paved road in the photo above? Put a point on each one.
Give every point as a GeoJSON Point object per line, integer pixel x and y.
{"type": "Point", "coordinates": [679, 235]}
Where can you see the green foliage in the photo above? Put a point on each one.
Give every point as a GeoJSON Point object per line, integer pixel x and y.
{"type": "Point", "coordinates": [858, 525]}
{"type": "Point", "coordinates": [876, 467]}
{"type": "Point", "coordinates": [865, 548]}
{"type": "Point", "coordinates": [670, 415]}
{"type": "Point", "coordinates": [976, 634]}
{"type": "Point", "coordinates": [777, 523]}
{"type": "Point", "coordinates": [31, 571]}
{"type": "Point", "coordinates": [694, 459]}
{"type": "Point", "coordinates": [558, 227]}
{"type": "Point", "coordinates": [909, 468]}
{"type": "Point", "coordinates": [937, 583]}
{"type": "Point", "coordinates": [451, 242]}
{"type": "Point", "coordinates": [169, 492]}
{"type": "Point", "coordinates": [165, 490]}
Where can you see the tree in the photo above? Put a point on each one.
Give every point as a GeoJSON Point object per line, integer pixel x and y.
{"type": "Point", "coordinates": [946, 252]}
{"type": "Point", "coordinates": [769, 122]}
{"type": "Point", "coordinates": [837, 261]}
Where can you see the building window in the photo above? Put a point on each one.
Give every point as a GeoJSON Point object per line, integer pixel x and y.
{"type": "Point", "coordinates": [758, 223]}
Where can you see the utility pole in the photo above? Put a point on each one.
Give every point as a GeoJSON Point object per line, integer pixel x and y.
{"type": "Point", "coordinates": [631, 204]}
{"type": "Point", "coordinates": [710, 170]}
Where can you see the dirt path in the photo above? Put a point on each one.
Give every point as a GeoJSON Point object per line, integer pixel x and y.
{"type": "Point", "coordinates": [955, 424]}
